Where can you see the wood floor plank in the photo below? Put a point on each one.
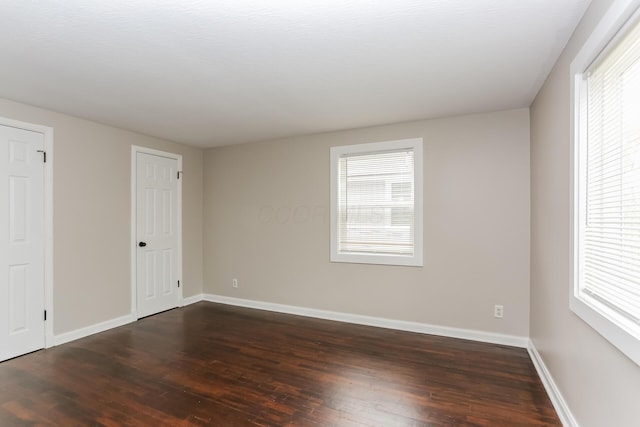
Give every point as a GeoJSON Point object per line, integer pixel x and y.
{"type": "Point", "coordinates": [215, 365]}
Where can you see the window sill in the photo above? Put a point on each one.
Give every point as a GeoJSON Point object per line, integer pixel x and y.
{"type": "Point", "coordinates": [405, 261]}
{"type": "Point", "coordinates": [619, 331]}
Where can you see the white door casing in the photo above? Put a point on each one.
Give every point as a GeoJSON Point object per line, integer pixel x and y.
{"type": "Point", "coordinates": [22, 241]}
{"type": "Point", "coordinates": [157, 231]}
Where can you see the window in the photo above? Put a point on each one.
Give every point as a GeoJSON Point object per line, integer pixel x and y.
{"type": "Point", "coordinates": [606, 184]}
{"type": "Point", "coordinates": [376, 203]}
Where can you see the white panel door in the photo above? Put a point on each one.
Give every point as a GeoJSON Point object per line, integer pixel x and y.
{"type": "Point", "coordinates": [21, 242]}
{"type": "Point", "coordinates": [157, 234]}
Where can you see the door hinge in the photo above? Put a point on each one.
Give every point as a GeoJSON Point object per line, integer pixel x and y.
{"type": "Point", "coordinates": [45, 315]}
{"type": "Point", "coordinates": [44, 155]}
{"type": "Point", "coordinates": [178, 283]}
{"type": "Point", "coordinates": [179, 174]}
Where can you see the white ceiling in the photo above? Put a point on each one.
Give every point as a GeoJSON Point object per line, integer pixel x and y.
{"type": "Point", "coordinates": [220, 72]}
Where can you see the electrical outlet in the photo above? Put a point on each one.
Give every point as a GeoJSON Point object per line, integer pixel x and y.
{"type": "Point", "coordinates": [498, 311]}
{"type": "Point", "coordinates": [234, 283]}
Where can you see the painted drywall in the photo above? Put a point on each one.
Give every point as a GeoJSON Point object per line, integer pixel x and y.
{"type": "Point", "coordinates": [267, 224]}
{"type": "Point", "coordinates": [92, 215]}
{"type": "Point", "coordinates": [600, 384]}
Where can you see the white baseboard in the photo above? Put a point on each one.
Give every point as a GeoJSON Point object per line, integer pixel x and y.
{"type": "Point", "coordinates": [401, 325]}
{"type": "Point", "coordinates": [109, 324]}
{"type": "Point", "coordinates": [192, 299]}
{"type": "Point", "coordinates": [560, 405]}
{"type": "Point", "coordinates": [93, 329]}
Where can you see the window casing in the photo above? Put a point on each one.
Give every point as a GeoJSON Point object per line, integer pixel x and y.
{"type": "Point", "coordinates": [376, 203]}
{"type": "Point", "coordinates": [606, 179]}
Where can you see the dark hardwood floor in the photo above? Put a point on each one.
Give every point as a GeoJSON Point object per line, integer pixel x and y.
{"type": "Point", "coordinates": [217, 365]}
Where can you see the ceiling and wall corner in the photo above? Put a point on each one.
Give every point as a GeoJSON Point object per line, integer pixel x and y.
{"type": "Point", "coordinates": [216, 73]}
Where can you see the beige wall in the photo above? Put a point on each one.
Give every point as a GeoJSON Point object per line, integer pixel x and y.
{"type": "Point", "coordinates": [267, 224]}
{"type": "Point", "coordinates": [92, 215]}
{"type": "Point", "coordinates": [601, 385]}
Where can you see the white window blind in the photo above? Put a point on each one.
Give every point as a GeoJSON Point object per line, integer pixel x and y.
{"type": "Point", "coordinates": [376, 203]}
{"type": "Point", "coordinates": [609, 228]}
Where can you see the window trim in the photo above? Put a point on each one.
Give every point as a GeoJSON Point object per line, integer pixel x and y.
{"type": "Point", "coordinates": [613, 326]}
{"type": "Point", "coordinates": [414, 144]}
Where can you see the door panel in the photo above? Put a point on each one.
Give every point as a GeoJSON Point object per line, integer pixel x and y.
{"type": "Point", "coordinates": [21, 242]}
{"type": "Point", "coordinates": [156, 225]}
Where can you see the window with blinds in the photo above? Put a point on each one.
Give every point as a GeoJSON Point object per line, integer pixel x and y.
{"type": "Point", "coordinates": [610, 250]}
{"type": "Point", "coordinates": [374, 201]}
{"type": "Point", "coordinates": [607, 187]}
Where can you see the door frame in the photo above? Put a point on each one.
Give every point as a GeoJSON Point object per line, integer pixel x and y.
{"type": "Point", "coordinates": [135, 149]}
{"type": "Point", "coordinates": [47, 133]}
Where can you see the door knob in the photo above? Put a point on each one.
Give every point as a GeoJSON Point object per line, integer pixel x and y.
{"type": "Point", "coordinates": [142, 244]}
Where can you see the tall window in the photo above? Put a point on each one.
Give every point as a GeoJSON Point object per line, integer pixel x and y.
{"type": "Point", "coordinates": [607, 191]}
{"type": "Point", "coordinates": [376, 200]}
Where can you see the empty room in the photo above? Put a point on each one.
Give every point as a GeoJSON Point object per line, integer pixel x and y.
{"type": "Point", "coordinates": [320, 213]}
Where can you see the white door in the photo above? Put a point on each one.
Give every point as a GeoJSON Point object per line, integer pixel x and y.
{"type": "Point", "coordinates": [157, 287]}
{"type": "Point", "coordinates": [21, 242]}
